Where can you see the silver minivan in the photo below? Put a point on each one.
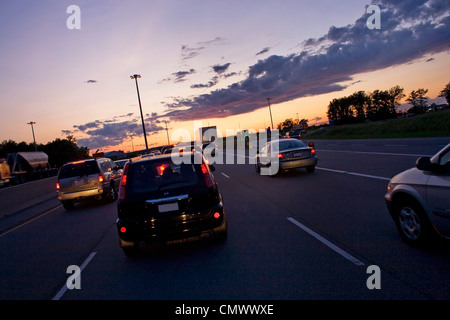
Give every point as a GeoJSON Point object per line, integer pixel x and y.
{"type": "Point", "coordinates": [92, 178]}
{"type": "Point", "coordinates": [418, 199]}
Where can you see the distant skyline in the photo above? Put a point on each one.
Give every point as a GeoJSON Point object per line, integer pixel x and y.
{"type": "Point", "coordinates": [210, 61]}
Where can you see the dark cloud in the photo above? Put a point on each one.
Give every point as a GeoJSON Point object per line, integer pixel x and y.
{"type": "Point", "coordinates": [99, 134]}
{"type": "Point", "coordinates": [231, 74]}
{"type": "Point", "coordinates": [88, 125]}
{"type": "Point", "coordinates": [265, 50]}
{"type": "Point", "coordinates": [210, 84]}
{"type": "Point", "coordinates": [221, 68]}
{"type": "Point", "coordinates": [180, 76]}
{"type": "Point", "coordinates": [220, 71]}
{"type": "Point", "coordinates": [66, 132]}
{"type": "Point", "coordinates": [189, 53]}
{"type": "Point", "coordinates": [409, 31]}
{"type": "Point", "coordinates": [215, 41]}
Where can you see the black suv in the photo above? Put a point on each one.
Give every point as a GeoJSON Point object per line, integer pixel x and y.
{"type": "Point", "coordinates": [163, 200]}
{"type": "Point", "coordinates": [92, 178]}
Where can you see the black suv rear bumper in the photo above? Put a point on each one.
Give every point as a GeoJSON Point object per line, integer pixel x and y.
{"type": "Point", "coordinates": [163, 230]}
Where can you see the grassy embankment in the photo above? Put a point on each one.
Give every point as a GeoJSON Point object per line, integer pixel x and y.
{"type": "Point", "coordinates": [433, 124]}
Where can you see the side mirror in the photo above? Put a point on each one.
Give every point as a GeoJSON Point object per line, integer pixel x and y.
{"type": "Point", "coordinates": [423, 163]}
{"type": "Point", "coordinates": [311, 145]}
{"type": "Point", "coordinates": [212, 168]}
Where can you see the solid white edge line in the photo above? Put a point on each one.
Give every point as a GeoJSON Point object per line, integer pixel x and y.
{"type": "Point", "coordinates": [380, 153]}
{"type": "Point", "coordinates": [333, 247]}
{"type": "Point", "coordinates": [354, 174]}
{"type": "Point", "coordinates": [64, 288]}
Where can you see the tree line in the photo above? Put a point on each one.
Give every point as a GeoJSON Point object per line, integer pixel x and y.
{"type": "Point", "coordinates": [378, 105]}
{"type": "Point", "coordinates": [59, 151]}
{"type": "Point", "coordinates": [290, 124]}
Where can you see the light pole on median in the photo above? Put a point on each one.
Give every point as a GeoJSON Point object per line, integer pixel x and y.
{"type": "Point", "coordinates": [135, 77]}
{"type": "Point", "coordinates": [268, 99]}
{"type": "Point", "coordinates": [167, 132]}
{"type": "Point", "coordinates": [32, 130]}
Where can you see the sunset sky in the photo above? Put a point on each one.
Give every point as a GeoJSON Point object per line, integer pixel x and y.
{"type": "Point", "coordinates": [209, 60]}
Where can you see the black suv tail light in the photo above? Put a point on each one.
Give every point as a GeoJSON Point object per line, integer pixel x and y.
{"type": "Point", "coordinates": [123, 182]}
{"type": "Point", "coordinates": [208, 179]}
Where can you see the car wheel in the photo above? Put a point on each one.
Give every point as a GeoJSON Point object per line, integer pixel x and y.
{"type": "Point", "coordinates": [221, 233]}
{"type": "Point", "coordinates": [310, 169]}
{"type": "Point", "coordinates": [68, 204]}
{"type": "Point", "coordinates": [131, 252]}
{"type": "Point", "coordinates": [412, 223]}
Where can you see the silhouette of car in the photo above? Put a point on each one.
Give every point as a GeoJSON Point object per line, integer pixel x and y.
{"type": "Point", "coordinates": [120, 163]}
{"type": "Point", "coordinates": [295, 134]}
{"type": "Point", "coordinates": [418, 199]}
{"type": "Point", "coordinates": [162, 201]}
{"type": "Point", "coordinates": [290, 153]}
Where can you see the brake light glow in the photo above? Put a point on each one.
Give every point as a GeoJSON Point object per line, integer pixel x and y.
{"type": "Point", "coordinates": [123, 182]}
{"type": "Point", "coordinates": [161, 169]}
{"type": "Point", "coordinates": [57, 186]}
{"type": "Point", "coordinates": [208, 179]}
{"type": "Point", "coordinates": [280, 156]}
{"type": "Point", "coordinates": [313, 151]}
{"type": "Point", "coordinates": [100, 178]}
{"type": "Point", "coordinates": [123, 229]}
{"type": "Point", "coordinates": [216, 215]}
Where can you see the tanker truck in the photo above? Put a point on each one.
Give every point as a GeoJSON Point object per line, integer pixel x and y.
{"type": "Point", "coordinates": [25, 166]}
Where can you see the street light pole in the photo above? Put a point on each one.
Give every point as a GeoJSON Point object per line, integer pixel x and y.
{"type": "Point", "coordinates": [268, 99]}
{"type": "Point", "coordinates": [32, 130]}
{"type": "Point", "coordinates": [167, 132]}
{"type": "Point", "coordinates": [135, 77]}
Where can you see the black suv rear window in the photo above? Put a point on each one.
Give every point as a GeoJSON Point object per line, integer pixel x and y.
{"type": "Point", "coordinates": [78, 169]}
{"type": "Point", "coordinates": [153, 176]}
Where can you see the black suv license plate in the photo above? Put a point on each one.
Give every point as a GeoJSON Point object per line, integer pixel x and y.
{"type": "Point", "coordinates": [167, 207]}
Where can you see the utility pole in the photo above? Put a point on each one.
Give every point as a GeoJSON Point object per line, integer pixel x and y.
{"type": "Point", "coordinates": [167, 132]}
{"type": "Point", "coordinates": [268, 99]}
{"type": "Point", "coordinates": [32, 130]}
{"type": "Point", "coordinates": [135, 77]}
{"type": "Point", "coordinates": [132, 144]}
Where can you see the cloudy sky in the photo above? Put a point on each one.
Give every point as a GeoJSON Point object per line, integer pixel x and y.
{"type": "Point", "coordinates": [68, 68]}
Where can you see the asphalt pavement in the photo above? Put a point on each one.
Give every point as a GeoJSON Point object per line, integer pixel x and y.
{"type": "Point", "coordinates": [324, 235]}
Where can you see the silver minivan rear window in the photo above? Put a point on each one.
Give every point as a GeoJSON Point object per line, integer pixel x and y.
{"type": "Point", "coordinates": [78, 169]}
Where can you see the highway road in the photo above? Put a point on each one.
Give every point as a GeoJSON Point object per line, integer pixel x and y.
{"type": "Point", "coordinates": [325, 235]}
